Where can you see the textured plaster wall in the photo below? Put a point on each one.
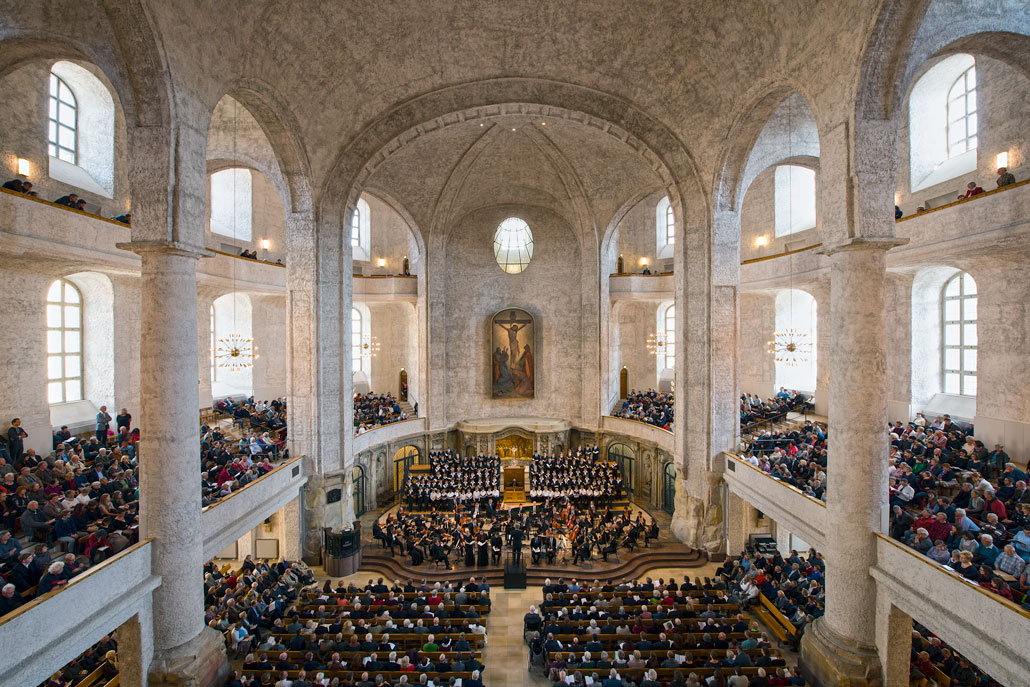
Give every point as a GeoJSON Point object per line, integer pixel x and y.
{"type": "Point", "coordinates": [476, 288]}
{"type": "Point", "coordinates": [757, 324]}
{"type": "Point", "coordinates": [638, 238]}
{"type": "Point", "coordinates": [24, 113]}
{"type": "Point", "coordinates": [394, 325]}
{"type": "Point", "coordinates": [269, 330]}
{"type": "Point", "coordinates": [268, 221]}
{"type": "Point", "coordinates": [1003, 116]}
{"type": "Point", "coordinates": [636, 320]}
{"type": "Point", "coordinates": [757, 219]}
{"type": "Point", "coordinates": [391, 238]}
{"type": "Point", "coordinates": [24, 346]}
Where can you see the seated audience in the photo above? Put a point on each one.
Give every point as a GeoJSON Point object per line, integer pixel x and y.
{"type": "Point", "coordinates": [653, 407]}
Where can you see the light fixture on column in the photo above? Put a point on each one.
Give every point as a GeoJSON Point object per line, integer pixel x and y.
{"type": "Point", "coordinates": [656, 343]}
{"type": "Point", "coordinates": [380, 262]}
{"type": "Point", "coordinates": [235, 352]}
{"type": "Point", "coordinates": [369, 345]}
{"type": "Point", "coordinates": [790, 346]}
{"type": "Point", "coordinates": [24, 167]}
{"type": "Point", "coordinates": [1001, 161]}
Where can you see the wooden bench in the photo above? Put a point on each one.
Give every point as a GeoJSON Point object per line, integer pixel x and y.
{"type": "Point", "coordinates": [775, 620]}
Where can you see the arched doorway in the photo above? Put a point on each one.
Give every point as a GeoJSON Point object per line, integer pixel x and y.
{"type": "Point", "coordinates": [669, 488]}
{"type": "Point", "coordinates": [404, 385]}
{"type": "Point", "coordinates": [623, 382]}
{"type": "Point", "coordinates": [357, 476]}
{"type": "Point", "coordinates": [402, 462]}
{"type": "Point", "coordinates": [624, 457]}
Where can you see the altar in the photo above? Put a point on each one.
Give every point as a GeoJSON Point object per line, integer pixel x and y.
{"type": "Point", "coordinates": [514, 439]}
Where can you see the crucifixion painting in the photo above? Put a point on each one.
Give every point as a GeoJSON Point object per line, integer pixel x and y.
{"type": "Point", "coordinates": [513, 342]}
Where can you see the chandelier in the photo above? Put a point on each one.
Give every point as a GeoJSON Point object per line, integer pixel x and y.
{"type": "Point", "coordinates": [235, 352]}
{"type": "Point", "coordinates": [790, 347]}
{"type": "Point", "coordinates": [369, 346]}
{"type": "Point", "coordinates": [656, 343]}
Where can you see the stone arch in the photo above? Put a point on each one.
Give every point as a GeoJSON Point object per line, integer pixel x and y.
{"type": "Point", "coordinates": [732, 182]}
{"type": "Point", "coordinates": [664, 152]}
{"type": "Point", "coordinates": [279, 125]}
{"type": "Point", "coordinates": [909, 32]}
{"type": "Point", "coordinates": [125, 48]}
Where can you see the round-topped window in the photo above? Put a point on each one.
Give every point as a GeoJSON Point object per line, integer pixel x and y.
{"type": "Point", "coordinates": [513, 245]}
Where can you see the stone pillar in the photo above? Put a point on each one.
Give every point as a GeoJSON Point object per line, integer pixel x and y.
{"type": "Point", "coordinates": [185, 651]}
{"type": "Point", "coordinates": [839, 648]}
{"type": "Point", "coordinates": [758, 322]}
{"type": "Point", "coordinates": [899, 346]}
{"type": "Point", "coordinates": [269, 331]}
{"type": "Point", "coordinates": [1003, 372]}
{"type": "Point", "coordinates": [319, 294]}
{"type": "Point", "coordinates": [821, 293]}
{"type": "Point", "coordinates": [894, 641]}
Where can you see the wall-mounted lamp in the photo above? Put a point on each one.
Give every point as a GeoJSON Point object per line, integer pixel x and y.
{"type": "Point", "coordinates": [1003, 159]}
{"type": "Point", "coordinates": [381, 262]}
{"type": "Point", "coordinates": [762, 241]}
{"type": "Point", "coordinates": [643, 262]}
{"type": "Point", "coordinates": [265, 244]}
{"type": "Point", "coordinates": [24, 167]}
{"type": "Point", "coordinates": [897, 197]}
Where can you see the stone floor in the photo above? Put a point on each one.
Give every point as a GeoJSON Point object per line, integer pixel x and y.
{"type": "Point", "coordinates": [506, 656]}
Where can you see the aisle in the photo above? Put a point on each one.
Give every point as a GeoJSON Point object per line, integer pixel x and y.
{"type": "Point", "coordinates": [506, 655]}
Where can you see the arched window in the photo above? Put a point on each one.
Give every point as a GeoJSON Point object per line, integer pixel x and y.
{"type": "Point", "coordinates": [665, 228]}
{"type": "Point", "coordinates": [962, 113]}
{"type": "Point", "coordinates": [958, 327]}
{"type": "Point", "coordinates": [80, 129]}
{"type": "Point", "coordinates": [356, 336]}
{"type": "Point", "coordinates": [942, 122]}
{"type": "Point", "coordinates": [793, 199]}
{"type": "Point", "coordinates": [232, 204]}
{"type": "Point", "coordinates": [63, 121]}
{"type": "Point", "coordinates": [64, 342]}
{"type": "Point", "coordinates": [361, 231]}
{"type": "Point", "coordinates": [667, 360]}
{"type": "Point", "coordinates": [513, 245]}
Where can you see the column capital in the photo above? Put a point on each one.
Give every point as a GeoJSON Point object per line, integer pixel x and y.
{"type": "Point", "coordinates": [166, 247]}
{"type": "Point", "coordinates": [884, 243]}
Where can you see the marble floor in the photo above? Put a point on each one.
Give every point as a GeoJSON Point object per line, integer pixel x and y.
{"type": "Point", "coordinates": [506, 656]}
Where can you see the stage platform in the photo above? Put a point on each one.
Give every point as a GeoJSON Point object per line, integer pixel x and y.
{"type": "Point", "coordinates": [665, 552]}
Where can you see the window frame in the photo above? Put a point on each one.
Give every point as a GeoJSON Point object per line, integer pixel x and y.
{"type": "Point", "coordinates": [669, 357]}
{"type": "Point", "coordinates": [361, 224]}
{"type": "Point", "coordinates": [54, 123]}
{"type": "Point", "coordinates": [515, 244]}
{"type": "Point", "coordinates": [968, 92]}
{"type": "Point", "coordinates": [962, 346]}
{"type": "Point", "coordinates": [357, 337]}
{"type": "Point", "coordinates": [665, 229]}
{"type": "Point", "coordinates": [63, 304]}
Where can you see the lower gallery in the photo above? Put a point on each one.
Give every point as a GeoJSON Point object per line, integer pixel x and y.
{"type": "Point", "coordinates": [483, 344]}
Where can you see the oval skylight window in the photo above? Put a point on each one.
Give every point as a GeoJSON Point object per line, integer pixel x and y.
{"type": "Point", "coordinates": [513, 245]}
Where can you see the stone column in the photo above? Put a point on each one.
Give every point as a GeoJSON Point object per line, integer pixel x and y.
{"type": "Point", "coordinates": [821, 292]}
{"type": "Point", "coordinates": [899, 346]}
{"type": "Point", "coordinates": [840, 648]}
{"type": "Point", "coordinates": [185, 651]}
{"type": "Point", "coordinates": [1003, 371]}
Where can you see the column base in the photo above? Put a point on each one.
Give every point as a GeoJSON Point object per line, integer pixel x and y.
{"type": "Point", "coordinates": [698, 522]}
{"type": "Point", "coordinates": [832, 660]}
{"type": "Point", "coordinates": [200, 662]}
